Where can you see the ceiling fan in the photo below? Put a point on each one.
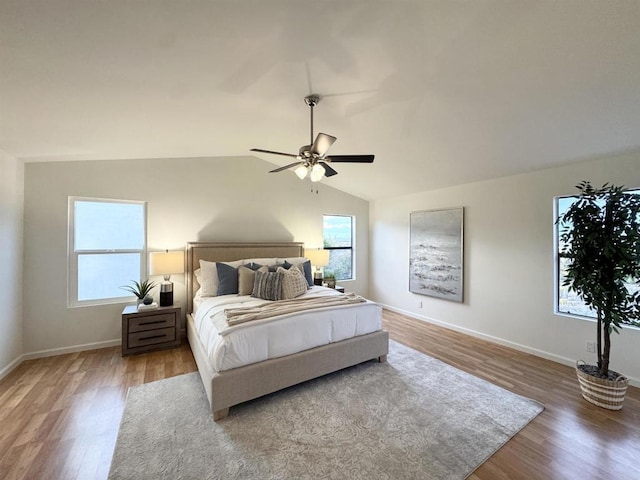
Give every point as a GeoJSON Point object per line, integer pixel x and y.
{"type": "Point", "coordinates": [312, 159]}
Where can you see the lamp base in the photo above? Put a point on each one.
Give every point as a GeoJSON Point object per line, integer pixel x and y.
{"type": "Point", "coordinates": [317, 278]}
{"type": "Point", "coordinates": [166, 294]}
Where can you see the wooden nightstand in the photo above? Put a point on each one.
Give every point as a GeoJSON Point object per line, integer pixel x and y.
{"type": "Point", "coordinates": [149, 329]}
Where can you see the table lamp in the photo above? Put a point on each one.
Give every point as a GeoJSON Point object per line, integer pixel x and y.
{"type": "Point", "coordinates": [166, 263]}
{"type": "Point", "coordinates": [319, 258]}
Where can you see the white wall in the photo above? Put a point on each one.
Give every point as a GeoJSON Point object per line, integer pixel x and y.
{"type": "Point", "coordinates": [509, 264]}
{"type": "Point", "coordinates": [206, 199]}
{"type": "Point", "coordinates": [11, 203]}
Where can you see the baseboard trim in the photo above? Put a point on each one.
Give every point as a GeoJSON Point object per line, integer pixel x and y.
{"type": "Point", "coordinates": [11, 367]}
{"type": "Point", "coordinates": [72, 349]}
{"type": "Point", "coordinates": [500, 341]}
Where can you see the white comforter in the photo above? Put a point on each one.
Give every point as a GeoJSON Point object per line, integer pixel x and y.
{"type": "Point", "coordinates": [260, 340]}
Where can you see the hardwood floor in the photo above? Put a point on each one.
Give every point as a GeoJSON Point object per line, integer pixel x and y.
{"type": "Point", "coordinates": [571, 439]}
{"type": "Point", "coordinates": [59, 416]}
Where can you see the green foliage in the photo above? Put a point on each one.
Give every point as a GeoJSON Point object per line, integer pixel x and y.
{"type": "Point", "coordinates": [139, 289]}
{"type": "Point", "coordinates": [601, 240]}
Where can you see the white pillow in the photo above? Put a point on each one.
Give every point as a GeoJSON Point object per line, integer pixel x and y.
{"type": "Point", "coordinates": [294, 283]}
{"type": "Point", "coordinates": [209, 277]}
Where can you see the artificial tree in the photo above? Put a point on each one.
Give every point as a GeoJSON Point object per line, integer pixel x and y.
{"type": "Point", "coordinates": [601, 241]}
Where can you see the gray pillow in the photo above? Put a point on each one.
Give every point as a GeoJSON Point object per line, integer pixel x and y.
{"type": "Point", "coordinates": [267, 285]}
{"type": "Point", "coordinates": [227, 279]}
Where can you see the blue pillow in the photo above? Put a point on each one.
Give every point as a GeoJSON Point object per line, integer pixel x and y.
{"type": "Point", "coordinates": [227, 279]}
{"type": "Point", "coordinates": [306, 269]}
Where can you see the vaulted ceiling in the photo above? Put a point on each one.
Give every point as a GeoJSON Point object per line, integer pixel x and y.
{"type": "Point", "coordinates": [442, 92]}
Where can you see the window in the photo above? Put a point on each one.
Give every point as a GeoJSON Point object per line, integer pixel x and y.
{"type": "Point", "coordinates": [568, 301]}
{"type": "Point", "coordinates": [107, 249]}
{"type": "Point", "coordinates": [338, 239]}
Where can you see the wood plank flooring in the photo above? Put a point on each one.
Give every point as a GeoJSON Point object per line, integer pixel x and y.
{"type": "Point", "coordinates": [59, 416]}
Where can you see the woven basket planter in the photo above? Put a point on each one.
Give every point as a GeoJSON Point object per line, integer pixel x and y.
{"type": "Point", "coordinates": [604, 393]}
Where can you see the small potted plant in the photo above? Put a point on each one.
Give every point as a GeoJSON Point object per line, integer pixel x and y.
{"type": "Point", "coordinates": [141, 290]}
{"type": "Point", "coordinates": [601, 241]}
{"type": "Point", "coordinates": [330, 280]}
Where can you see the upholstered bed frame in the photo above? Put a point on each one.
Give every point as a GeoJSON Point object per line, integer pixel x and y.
{"type": "Point", "coordinates": [231, 387]}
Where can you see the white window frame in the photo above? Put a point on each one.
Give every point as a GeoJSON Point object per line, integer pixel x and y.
{"type": "Point", "coordinates": [557, 283]}
{"type": "Point", "coordinates": [72, 255]}
{"type": "Point", "coordinates": [353, 243]}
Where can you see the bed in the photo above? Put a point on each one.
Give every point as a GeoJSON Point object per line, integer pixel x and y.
{"type": "Point", "coordinates": [228, 387]}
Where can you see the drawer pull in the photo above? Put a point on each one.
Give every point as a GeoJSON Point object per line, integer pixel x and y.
{"type": "Point", "coordinates": [152, 337]}
{"type": "Point", "coordinates": [152, 323]}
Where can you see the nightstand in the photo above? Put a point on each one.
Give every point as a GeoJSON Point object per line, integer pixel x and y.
{"type": "Point", "coordinates": [149, 329]}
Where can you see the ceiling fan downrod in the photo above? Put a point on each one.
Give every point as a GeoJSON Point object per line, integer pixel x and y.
{"type": "Point", "coordinates": [312, 101]}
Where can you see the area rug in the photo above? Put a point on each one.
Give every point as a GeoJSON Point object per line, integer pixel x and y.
{"type": "Point", "coordinates": [412, 417]}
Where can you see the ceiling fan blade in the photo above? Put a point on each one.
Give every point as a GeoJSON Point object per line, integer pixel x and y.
{"type": "Point", "coordinates": [285, 167]}
{"type": "Point", "coordinates": [275, 153]}
{"type": "Point", "coordinates": [328, 171]}
{"type": "Point", "coordinates": [321, 144]}
{"type": "Point", "coordinates": [350, 158]}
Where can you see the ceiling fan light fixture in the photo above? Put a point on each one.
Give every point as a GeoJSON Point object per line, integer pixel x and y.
{"type": "Point", "coordinates": [312, 159]}
{"type": "Point", "coordinates": [301, 172]}
{"type": "Point", "coordinates": [317, 172]}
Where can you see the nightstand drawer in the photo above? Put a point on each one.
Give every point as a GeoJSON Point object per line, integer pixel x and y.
{"type": "Point", "coordinates": [150, 330]}
{"type": "Point", "coordinates": [151, 337]}
{"type": "Point", "coordinates": [152, 322]}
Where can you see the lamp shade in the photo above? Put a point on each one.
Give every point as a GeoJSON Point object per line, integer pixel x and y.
{"type": "Point", "coordinates": [166, 263]}
{"type": "Point", "coordinates": [318, 256]}
{"type": "Point", "coordinates": [317, 172]}
{"type": "Point", "coordinates": [301, 172]}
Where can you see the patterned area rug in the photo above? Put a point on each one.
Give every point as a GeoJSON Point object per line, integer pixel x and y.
{"type": "Point", "coordinates": [413, 417]}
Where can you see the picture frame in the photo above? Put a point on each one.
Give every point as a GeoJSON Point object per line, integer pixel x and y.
{"type": "Point", "coordinates": [436, 253]}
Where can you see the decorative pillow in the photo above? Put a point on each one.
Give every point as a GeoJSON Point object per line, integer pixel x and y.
{"type": "Point", "coordinates": [276, 266]}
{"type": "Point", "coordinates": [267, 285]}
{"type": "Point", "coordinates": [293, 283]}
{"type": "Point", "coordinates": [227, 279]}
{"type": "Point", "coordinates": [261, 261]}
{"type": "Point", "coordinates": [208, 279]}
{"type": "Point", "coordinates": [304, 267]}
{"type": "Point", "coordinates": [252, 265]}
{"type": "Point", "coordinates": [246, 278]}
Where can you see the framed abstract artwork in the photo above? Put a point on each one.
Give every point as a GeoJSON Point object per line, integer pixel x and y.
{"type": "Point", "coordinates": [436, 253]}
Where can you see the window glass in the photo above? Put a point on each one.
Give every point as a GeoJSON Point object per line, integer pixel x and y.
{"type": "Point", "coordinates": [338, 239]}
{"type": "Point", "coordinates": [107, 245]}
{"type": "Point", "coordinates": [101, 275]}
{"type": "Point", "coordinates": [108, 225]}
